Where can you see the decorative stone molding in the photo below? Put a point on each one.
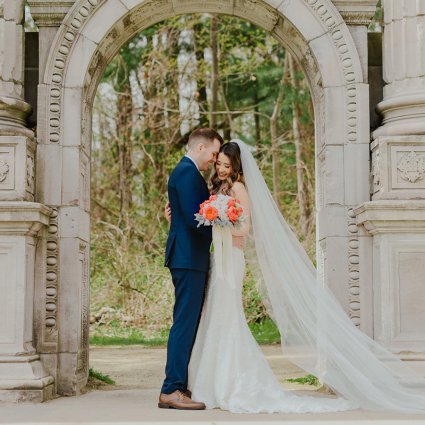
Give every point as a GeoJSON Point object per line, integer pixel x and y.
{"type": "Point", "coordinates": [82, 363]}
{"type": "Point", "coordinates": [392, 216]}
{"type": "Point", "coordinates": [50, 334]}
{"type": "Point", "coordinates": [151, 11]}
{"type": "Point", "coordinates": [375, 171]}
{"type": "Point", "coordinates": [353, 269]}
{"type": "Point", "coordinates": [7, 156]}
{"type": "Point", "coordinates": [4, 170]}
{"type": "Point", "coordinates": [30, 174]}
{"type": "Point", "coordinates": [398, 167]}
{"type": "Point", "coordinates": [358, 12]}
{"type": "Point", "coordinates": [49, 13]}
{"type": "Point", "coordinates": [22, 218]}
{"type": "Point", "coordinates": [412, 166]}
{"type": "Point", "coordinates": [77, 19]}
{"type": "Point", "coordinates": [17, 169]}
{"type": "Point", "coordinates": [267, 16]}
{"type": "Point", "coordinates": [13, 111]}
{"type": "Point", "coordinates": [357, 18]}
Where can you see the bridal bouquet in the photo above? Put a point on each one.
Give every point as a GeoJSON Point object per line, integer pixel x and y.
{"type": "Point", "coordinates": [220, 209]}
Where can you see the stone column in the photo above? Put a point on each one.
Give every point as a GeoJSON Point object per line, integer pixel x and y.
{"type": "Point", "coordinates": [396, 215]}
{"type": "Point", "coordinates": [358, 16]}
{"type": "Point", "coordinates": [62, 275]}
{"type": "Point", "coordinates": [22, 376]}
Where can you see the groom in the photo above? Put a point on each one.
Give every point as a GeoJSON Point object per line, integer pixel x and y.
{"type": "Point", "coordinates": [187, 257]}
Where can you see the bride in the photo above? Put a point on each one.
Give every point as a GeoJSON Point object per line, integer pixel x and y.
{"type": "Point", "coordinates": [227, 369]}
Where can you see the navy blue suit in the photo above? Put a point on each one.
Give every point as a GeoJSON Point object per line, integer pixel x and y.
{"type": "Point", "coordinates": [187, 256]}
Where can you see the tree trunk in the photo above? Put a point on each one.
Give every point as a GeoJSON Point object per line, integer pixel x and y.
{"type": "Point", "coordinates": [214, 71]}
{"type": "Point", "coordinates": [274, 132]}
{"type": "Point", "coordinates": [257, 124]}
{"type": "Point", "coordinates": [124, 120]}
{"type": "Point", "coordinates": [301, 194]}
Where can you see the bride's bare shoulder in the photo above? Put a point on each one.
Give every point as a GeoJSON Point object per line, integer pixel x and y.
{"type": "Point", "coordinates": [239, 189]}
{"type": "Point", "coordinates": [238, 186]}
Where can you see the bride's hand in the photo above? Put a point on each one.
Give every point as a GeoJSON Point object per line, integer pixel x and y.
{"type": "Point", "coordinates": [238, 241]}
{"type": "Point", "coordinates": [167, 212]}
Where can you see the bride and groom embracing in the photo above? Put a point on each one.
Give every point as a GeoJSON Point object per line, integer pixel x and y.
{"type": "Point", "coordinates": [213, 361]}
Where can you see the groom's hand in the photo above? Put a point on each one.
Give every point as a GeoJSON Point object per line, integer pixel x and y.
{"type": "Point", "coordinates": [167, 212]}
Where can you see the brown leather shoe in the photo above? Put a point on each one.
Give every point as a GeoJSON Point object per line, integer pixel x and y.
{"type": "Point", "coordinates": [179, 400]}
{"type": "Point", "coordinates": [188, 393]}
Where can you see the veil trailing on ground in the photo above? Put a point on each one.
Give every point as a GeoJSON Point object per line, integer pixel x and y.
{"type": "Point", "coordinates": [316, 333]}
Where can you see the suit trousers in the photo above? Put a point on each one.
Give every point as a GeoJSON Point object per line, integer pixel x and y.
{"type": "Point", "coordinates": [189, 288]}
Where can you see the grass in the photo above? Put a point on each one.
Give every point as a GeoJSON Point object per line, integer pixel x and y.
{"type": "Point", "coordinates": [265, 332]}
{"type": "Point", "coordinates": [95, 375]}
{"type": "Point", "coordinates": [306, 380]}
{"type": "Point", "coordinates": [127, 340]}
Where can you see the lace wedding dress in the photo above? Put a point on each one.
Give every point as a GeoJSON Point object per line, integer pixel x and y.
{"type": "Point", "coordinates": [227, 368]}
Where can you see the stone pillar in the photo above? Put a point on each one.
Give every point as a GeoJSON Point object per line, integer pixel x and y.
{"type": "Point", "coordinates": [62, 277]}
{"type": "Point", "coordinates": [358, 16]}
{"type": "Point", "coordinates": [22, 376]}
{"type": "Point", "coordinates": [396, 215]}
{"type": "Point", "coordinates": [403, 107]}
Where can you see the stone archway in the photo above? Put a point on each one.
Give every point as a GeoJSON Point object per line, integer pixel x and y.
{"type": "Point", "coordinates": [91, 34]}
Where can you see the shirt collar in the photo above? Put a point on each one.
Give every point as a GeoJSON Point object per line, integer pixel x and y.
{"type": "Point", "coordinates": [187, 156]}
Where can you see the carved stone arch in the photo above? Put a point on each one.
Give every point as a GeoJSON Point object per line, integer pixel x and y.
{"type": "Point", "coordinates": [91, 34]}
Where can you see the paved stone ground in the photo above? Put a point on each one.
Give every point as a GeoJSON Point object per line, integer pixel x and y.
{"type": "Point", "coordinates": [143, 368]}
{"type": "Point", "coordinates": [138, 373]}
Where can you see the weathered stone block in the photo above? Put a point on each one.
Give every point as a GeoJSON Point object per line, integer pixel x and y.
{"type": "Point", "coordinates": [398, 167]}
{"type": "Point", "coordinates": [17, 168]}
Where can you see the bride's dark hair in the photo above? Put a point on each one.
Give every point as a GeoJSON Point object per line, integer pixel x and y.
{"type": "Point", "coordinates": [233, 152]}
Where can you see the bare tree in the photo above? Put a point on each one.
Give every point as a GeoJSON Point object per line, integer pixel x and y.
{"type": "Point", "coordinates": [274, 131]}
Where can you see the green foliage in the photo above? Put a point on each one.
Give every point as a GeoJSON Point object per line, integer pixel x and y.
{"type": "Point", "coordinates": [306, 380]}
{"type": "Point", "coordinates": [138, 138]}
{"type": "Point", "coordinates": [96, 375]}
{"type": "Point", "coordinates": [265, 331]}
{"type": "Point", "coordinates": [127, 340]}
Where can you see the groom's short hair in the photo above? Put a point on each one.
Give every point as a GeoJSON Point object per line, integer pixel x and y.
{"type": "Point", "coordinates": [202, 135]}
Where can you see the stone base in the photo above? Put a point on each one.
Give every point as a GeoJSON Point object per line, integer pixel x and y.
{"type": "Point", "coordinates": [23, 379]}
{"type": "Point", "coordinates": [28, 395]}
{"type": "Point", "coordinates": [398, 230]}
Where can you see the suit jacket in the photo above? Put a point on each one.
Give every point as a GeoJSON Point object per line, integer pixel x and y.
{"type": "Point", "coordinates": [188, 246]}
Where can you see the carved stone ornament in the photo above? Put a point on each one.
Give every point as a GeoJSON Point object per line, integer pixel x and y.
{"type": "Point", "coordinates": [353, 269]}
{"type": "Point", "coordinates": [412, 167]}
{"type": "Point", "coordinates": [30, 173]}
{"type": "Point", "coordinates": [376, 172]}
{"type": "Point", "coordinates": [52, 259]}
{"type": "Point", "coordinates": [4, 170]}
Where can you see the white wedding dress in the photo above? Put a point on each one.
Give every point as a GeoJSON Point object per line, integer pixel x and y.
{"type": "Point", "coordinates": [227, 368]}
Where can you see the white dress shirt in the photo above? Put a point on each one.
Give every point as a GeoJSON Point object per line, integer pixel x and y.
{"type": "Point", "coordinates": [187, 156]}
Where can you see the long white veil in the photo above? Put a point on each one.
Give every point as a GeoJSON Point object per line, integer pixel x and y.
{"type": "Point", "coordinates": [316, 333]}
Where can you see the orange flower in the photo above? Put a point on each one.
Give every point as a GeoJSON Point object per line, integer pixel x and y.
{"type": "Point", "coordinates": [211, 213]}
{"type": "Point", "coordinates": [213, 197]}
{"type": "Point", "coordinates": [233, 214]}
{"type": "Point", "coordinates": [231, 203]}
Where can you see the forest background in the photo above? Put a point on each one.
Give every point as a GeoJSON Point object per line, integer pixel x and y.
{"type": "Point", "coordinates": [182, 73]}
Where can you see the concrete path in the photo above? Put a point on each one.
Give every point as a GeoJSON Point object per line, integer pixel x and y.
{"type": "Point", "coordinates": [138, 372]}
